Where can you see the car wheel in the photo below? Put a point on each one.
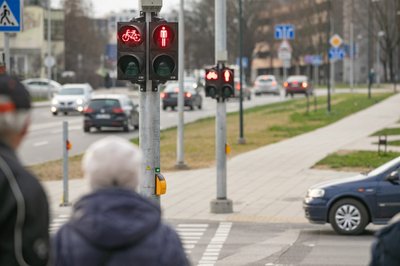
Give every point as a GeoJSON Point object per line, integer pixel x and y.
{"type": "Point", "coordinates": [65, 113]}
{"type": "Point", "coordinates": [348, 217]}
{"type": "Point", "coordinates": [86, 129]}
{"type": "Point", "coordinates": [172, 108]}
{"type": "Point", "coordinates": [55, 113]}
{"type": "Point", "coordinates": [191, 107]}
{"type": "Point", "coordinates": [200, 106]}
{"type": "Point", "coordinates": [164, 107]}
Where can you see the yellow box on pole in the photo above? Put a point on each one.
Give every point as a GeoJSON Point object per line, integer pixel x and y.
{"type": "Point", "coordinates": [161, 184]}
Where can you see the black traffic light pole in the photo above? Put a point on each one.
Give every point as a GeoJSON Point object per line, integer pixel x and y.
{"type": "Point", "coordinates": [241, 139]}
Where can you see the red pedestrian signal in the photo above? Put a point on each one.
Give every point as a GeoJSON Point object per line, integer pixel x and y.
{"type": "Point", "coordinates": [131, 58]}
{"type": "Point", "coordinates": [163, 51]}
{"type": "Point", "coordinates": [227, 90]}
{"type": "Point", "coordinates": [213, 83]}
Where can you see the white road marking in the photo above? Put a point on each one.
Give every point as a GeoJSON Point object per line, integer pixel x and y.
{"type": "Point", "coordinates": [41, 143]}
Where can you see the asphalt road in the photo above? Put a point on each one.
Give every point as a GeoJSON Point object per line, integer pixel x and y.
{"type": "Point", "coordinates": [44, 140]}
{"type": "Point", "coordinates": [273, 244]}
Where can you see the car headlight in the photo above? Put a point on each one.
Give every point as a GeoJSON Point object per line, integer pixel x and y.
{"type": "Point", "coordinates": [316, 193]}
{"type": "Point", "coordinates": [79, 101]}
{"type": "Point", "coordinates": [54, 101]}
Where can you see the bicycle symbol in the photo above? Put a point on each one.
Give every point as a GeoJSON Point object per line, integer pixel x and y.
{"type": "Point", "coordinates": [131, 35]}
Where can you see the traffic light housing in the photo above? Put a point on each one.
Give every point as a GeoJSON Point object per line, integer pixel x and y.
{"type": "Point", "coordinates": [227, 82]}
{"type": "Point", "coordinates": [212, 83]}
{"type": "Point", "coordinates": [163, 51]}
{"type": "Point", "coordinates": [131, 57]}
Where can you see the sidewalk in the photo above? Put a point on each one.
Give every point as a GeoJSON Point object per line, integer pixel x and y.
{"type": "Point", "coordinates": [267, 184]}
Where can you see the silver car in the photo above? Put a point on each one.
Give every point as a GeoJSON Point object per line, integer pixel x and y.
{"type": "Point", "coordinates": [71, 98]}
{"type": "Point", "coordinates": [266, 84]}
{"type": "Point", "coordinates": [42, 88]}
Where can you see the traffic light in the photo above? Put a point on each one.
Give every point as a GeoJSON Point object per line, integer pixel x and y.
{"type": "Point", "coordinates": [163, 51]}
{"type": "Point", "coordinates": [227, 83]}
{"type": "Point", "coordinates": [132, 51]}
{"type": "Point", "coordinates": [213, 84]}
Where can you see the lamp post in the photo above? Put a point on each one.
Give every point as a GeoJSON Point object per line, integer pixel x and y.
{"type": "Point", "coordinates": [241, 139]}
{"type": "Point", "coordinates": [378, 59]}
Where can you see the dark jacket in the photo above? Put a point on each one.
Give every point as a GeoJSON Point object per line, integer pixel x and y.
{"type": "Point", "coordinates": [386, 247]}
{"type": "Point", "coordinates": [34, 214]}
{"type": "Point", "coordinates": [117, 227]}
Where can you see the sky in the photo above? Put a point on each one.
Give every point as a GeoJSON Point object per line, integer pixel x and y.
{"type": "Point", "coordinates": [103, 7]}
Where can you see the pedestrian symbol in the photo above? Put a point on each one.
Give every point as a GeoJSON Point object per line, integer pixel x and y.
{"type": "Point", "coordinates": [7, 18]}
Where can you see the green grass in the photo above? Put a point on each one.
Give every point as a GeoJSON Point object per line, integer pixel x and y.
{"type": "Point", "coordinates": [388, 131]}
{"type": "Point", "coordinates": [391, 143]}
{"type": "Point", "coordinates": [356, 160]}
{"type": "Point", "coordinates": [263, 125]}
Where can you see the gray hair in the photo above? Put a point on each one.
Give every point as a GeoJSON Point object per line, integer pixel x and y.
{"type": "Point", "coordinates": [112, 162]}
{"type": "Point", "coordinates": [13, 123]}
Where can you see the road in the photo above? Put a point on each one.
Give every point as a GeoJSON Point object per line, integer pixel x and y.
{"type": "Point", "coordinates": [44, 140]}
{"type": "Point", "coordinates": [273, 244]}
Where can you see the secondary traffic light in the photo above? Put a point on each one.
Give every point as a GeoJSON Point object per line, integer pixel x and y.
{"type": "Point", "coordinates": [227, 83]}
{"type": "Point", "coordinates": [132, 51]}
{"type": "Point", "coordinates": [163, 51]}
{"type": "Point", "coordinates": [213, 83]}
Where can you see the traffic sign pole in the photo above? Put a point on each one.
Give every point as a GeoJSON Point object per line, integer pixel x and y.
{"type": "Point", "coordinates": [7, 51]}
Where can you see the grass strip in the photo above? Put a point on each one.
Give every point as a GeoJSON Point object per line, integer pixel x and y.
{"type": "Point", "coordinates": [263, 125]}
{"type": "Point", "coordinates": [355, 161]}
{"type": "Point", "coordinates": [388, 131]}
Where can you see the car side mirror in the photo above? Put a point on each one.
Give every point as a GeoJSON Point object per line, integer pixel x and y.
{"type": "Point", "coordinates": [393, 177]}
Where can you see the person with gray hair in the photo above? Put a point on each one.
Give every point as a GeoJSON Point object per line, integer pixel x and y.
{"type": "Point", "coordinates": [113, 224]}
{"type": "Point", "coordinates": [24, 210]}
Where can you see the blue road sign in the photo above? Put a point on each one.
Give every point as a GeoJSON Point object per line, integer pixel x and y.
{"type": "Point", "coordinates": [317, 60]}
{"type": "Point", "coordinates": [284, 32]}
{"type": "Point", "coordinates": [11, 15]}
{"type": "Point", "coordinates": [245, 62]}
{"type": "Point", "coordinates": [336, 53]}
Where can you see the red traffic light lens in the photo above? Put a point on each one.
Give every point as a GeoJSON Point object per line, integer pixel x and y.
{"type": "Point", "coordinates": [227, 75]}
{"type": "Point", "coordinates": [212, 75]}
{"type": "Point", "coordinates": [163, 36]}
{"type": "Point", "coordinates": [130, 35]}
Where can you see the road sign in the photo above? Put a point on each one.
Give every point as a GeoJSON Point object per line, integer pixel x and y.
{"type": "Point", "coordinates": [11, 16]}
{"type": "Point", "coordinates": [285, 51]}
{"type": "Point", "coordinates": [49, 61]}
{"type": "Point", "coordinates": [316, 60]}
{"type": "Point", "coordinates": [336, 53]}
{"type": "Point", "coordinates": [284, 32]}
{"type": "Point", "coordinates": [245, 62]}
{"type": "Point", "coordinates": [335, 40]}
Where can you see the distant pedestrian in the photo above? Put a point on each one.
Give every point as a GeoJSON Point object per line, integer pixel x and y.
{"type": "Point", "coordinates": [385, 249]}
{"type": "Point", "coordinates": [114, 225]}
{"type": "Point", "coordinates": [24, 211]}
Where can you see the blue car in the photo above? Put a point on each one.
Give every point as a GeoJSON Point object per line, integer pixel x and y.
{"type": "Point", "coordinates": [350, 204]}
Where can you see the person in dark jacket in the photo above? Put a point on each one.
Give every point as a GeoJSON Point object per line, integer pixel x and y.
{"type": "Point", "coordinates": [24, 211]}
{"type": "Point", "coordinates": [114, 225]}
{"type": "Point", "coordinates": [385, 248]}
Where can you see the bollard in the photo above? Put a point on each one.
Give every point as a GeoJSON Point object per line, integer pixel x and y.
{"type": "Point", "coordinates": [66, 145]}
{"type": "Point", "coordinates": [315, 103]}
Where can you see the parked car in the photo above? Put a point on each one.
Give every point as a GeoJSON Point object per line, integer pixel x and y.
{"type": "Point", "coordinates": [298, 84]}
{"type": "Point", "coordinates": [71, 98]}
{"type": "Point", "coordinates": [246, 90]}
{"type": "Point", "coordinates": [42, 88]}
{"type": "Point", "coordinates": [266, 84]}
{"type": "Point", "coordinates": [111, 110]}
{"type": "Point", "coordinates": [350, 204]}
{"type": "Point", "coordinates": [192, 97]}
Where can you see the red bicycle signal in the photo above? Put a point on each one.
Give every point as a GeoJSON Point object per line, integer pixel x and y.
{"type": "Point", "coordinates": [212, 75]}
{"type": "Point", "coordinates": [130, 35]}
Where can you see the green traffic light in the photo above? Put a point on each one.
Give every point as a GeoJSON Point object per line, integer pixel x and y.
{"type": "Point", "coordinates": [164, 65]}
{"type": "Point", "coordinates": [129, 65]}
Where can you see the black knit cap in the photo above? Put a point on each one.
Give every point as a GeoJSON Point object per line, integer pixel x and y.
{"type": "Point", "coordinates": [16, 91]}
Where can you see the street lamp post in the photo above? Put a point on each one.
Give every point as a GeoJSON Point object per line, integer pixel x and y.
{"type": "Point", "coordinates": [378, 59]}
{"type": "Point", "coordinates": [241, 139]}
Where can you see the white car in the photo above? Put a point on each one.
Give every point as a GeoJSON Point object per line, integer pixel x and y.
{"type": "Point", "coordinates": [266, 84]}
{"type": "Point", "coordinates": [71, 98]}
{"type": "Point", "coordinates": [42, 88]}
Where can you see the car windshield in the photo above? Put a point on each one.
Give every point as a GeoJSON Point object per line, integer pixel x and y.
{"type": "Point", "coordinates": [265, 79]}
{"type": "Point", "coordinates": [97, 104]}
{"type": "Point", "coordinates": [297, 78]}
{"type": "Point", "coordinates": [72, 91]}
{"type": "Point", "coordinates": [174, 87]}
{"type": "Point", "coordinates": [383, 168]}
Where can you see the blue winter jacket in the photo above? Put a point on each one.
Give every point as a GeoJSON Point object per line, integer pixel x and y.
{"type": "Point", "coordinates": [385, 249]}
{"type": "Point", "coordinates": [117, 227]}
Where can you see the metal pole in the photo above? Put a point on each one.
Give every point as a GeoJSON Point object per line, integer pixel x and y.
{"type": "Point", "coordinates": [149, 132]}
{"type": "Point", "coordinates": [221, 204]}
{"type": "Point", "coordinates": [352, 55]}
{"type": "Point", "coordinates": [327, 53]}
{"type": "Point", "coordinates": [48, 41]}
{"type": "Point", "coordinates": [241, 139]}
{"type": "Point", "coordinates": [368, 47]}
{"type": "Point", "coordinates": [7, 51]}
{"type": "Point", "coordinates": [180, 151]}
{"type": "Point", "coordinates": [378, 78]}
{"type": "Point", "coordinates": [65, 199]}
